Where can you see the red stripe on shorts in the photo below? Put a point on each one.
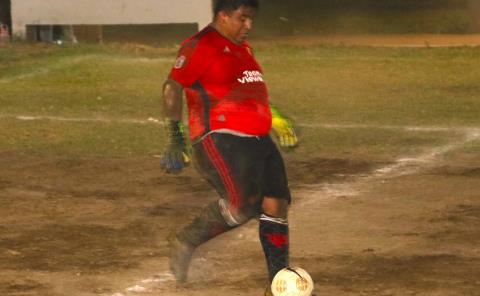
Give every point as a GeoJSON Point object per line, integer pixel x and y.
{"type": "Point", "coordinates": [222, 168]}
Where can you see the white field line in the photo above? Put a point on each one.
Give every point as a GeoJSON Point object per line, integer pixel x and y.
{"type": "Point", "coordinates": [460, 129]}
{"type": "Point", "coordinates": [146, 285]}
{"type": "Point", "coordinates": [66, 62]}
{"type": "Point", "coordinates": [424, 46]}
{"type": "Point", "coordinates": [400, 167]}
{"type": "Point", "coordinates": [170, 60]}
{"type": "Point", "coordinates": [323, 192]}
{"type": "Point", "coordinates": [42, 70]}
{"type": "Point", "coordinates": [152, 120]}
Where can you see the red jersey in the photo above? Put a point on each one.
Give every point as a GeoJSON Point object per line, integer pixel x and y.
{"type": "Point", "coordinates": [223, 84]}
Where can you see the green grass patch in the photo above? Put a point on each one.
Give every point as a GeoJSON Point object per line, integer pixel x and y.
{"type": "Point", "coordinates": [323, 83]}
{"type": "Point", "coordinates": [123, 139]}
{"type": "Point", "coordinates": [377, 144]}
{"type": "Point", "coordinates": [375, 85]}
{"type": "Point", "coordinates": [20, 60]}
{"type": "Point", "coordinates": [47, 137]}
{"type": "Point", "coordinates": [98, 85]}
{"type": "Point", "coordinates": [472, 147]}
{"type": "Point", "coordinates": [312, 84]}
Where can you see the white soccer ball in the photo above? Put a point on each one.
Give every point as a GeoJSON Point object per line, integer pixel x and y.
{"type": "Point", "coordinates": [292, 281]}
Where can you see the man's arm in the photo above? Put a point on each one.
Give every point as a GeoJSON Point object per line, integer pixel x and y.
{"type": "Point", "coordinates": [172, 100]}
{"type": "Point", "coordinates": [175, 156]}
{"type": "Point", "coordinates": [283, 128]}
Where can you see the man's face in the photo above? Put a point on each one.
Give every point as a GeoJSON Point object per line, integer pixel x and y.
{"type": "Point", "coordinates": [237, 24]}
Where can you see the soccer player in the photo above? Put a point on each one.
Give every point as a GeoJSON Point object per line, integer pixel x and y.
{"type": "Point", "coordinates": [230, 119]}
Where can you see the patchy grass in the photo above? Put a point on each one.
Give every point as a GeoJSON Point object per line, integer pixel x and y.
{"type": "Point", "coordinates": [313, 84]}
{"type": "Point", "coordinates": [376, 85]}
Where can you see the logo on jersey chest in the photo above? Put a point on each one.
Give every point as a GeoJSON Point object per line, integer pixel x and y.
{"type": "Point", "coordinates": [250, 77]}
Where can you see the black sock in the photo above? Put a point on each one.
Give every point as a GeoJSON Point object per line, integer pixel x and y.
{"type": "Point", "coordinates": [274, 238]}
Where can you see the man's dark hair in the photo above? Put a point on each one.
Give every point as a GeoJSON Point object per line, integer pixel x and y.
{"type": "Point", "coordinates": [232, 5]}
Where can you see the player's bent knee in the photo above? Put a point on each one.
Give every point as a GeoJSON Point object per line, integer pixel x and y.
{"type": "Point", "coordinates": [275, 207]}
{"type": "Point", "coordinates": [234, 218]}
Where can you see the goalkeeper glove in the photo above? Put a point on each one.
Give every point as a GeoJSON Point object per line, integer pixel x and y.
{"type": "Point", "coordinates": [175, 156]}
{"type": "Point", "coordinates": [283, 128]}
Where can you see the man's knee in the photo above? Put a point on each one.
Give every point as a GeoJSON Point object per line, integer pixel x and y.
{"type": "Point", "coordinates": [236, 217]}
{"type": "Point", "coordinates": [275, 207]}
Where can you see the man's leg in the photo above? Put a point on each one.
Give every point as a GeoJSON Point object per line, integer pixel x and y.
{"type": "Point", "coordinates": [220, 159]}
{"type": "Point", "coordinates": [207, 225]}
{"type": "Point", "coordinates": [273, 231]}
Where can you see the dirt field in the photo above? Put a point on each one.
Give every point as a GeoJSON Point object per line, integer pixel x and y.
{"type": "Point", "coordinates": [88, 226]}
{"type": "Point", "coordinates": [77, 225]}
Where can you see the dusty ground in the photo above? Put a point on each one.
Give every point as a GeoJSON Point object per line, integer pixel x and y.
{"type": "Point", "coordinates": [96, 226]}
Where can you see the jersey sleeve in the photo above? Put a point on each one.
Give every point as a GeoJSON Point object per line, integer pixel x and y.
{"type": "Point", "coordinates": [191, 63]}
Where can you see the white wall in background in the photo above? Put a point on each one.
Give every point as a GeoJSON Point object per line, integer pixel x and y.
{"type": "Point", "coordinates": [108, 12]}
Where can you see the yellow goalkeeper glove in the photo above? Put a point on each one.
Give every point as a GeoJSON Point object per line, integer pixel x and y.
{"type": "Point", "coordinates": [283, 128]}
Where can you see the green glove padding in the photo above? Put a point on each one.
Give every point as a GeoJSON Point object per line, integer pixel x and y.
{"type": "Point", "coordinates": [283, 128]}
{"type": "Point", "coordinates": [175, 156]}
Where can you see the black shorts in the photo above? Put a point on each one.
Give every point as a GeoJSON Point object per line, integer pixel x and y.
{"type": "Point", "coordinates": [242, 169]}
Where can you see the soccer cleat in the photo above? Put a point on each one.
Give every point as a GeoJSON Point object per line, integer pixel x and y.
{"type": "Point", "coordinates": [180, 257]}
